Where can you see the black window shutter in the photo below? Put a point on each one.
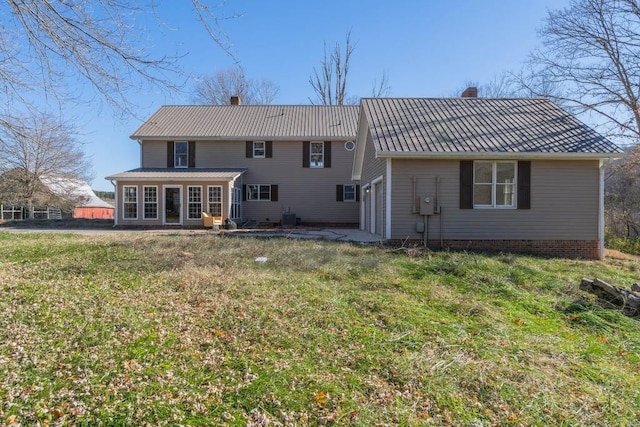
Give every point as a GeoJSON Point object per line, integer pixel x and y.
{"type": "Point", "coordinates": [339, 193]}
{"type": "Point", "coordinates": [192, 154]}
{"type": "Point", "coordinates": [466, 184]}
{"type": "Point", "coordinates": [357, 193]}
{"type": "Point", "coordinates": [169, 154]}
{"type": "Point", "coordinates": [274, 193]}
{"type": "Point", "coordinates": [327, 154]}
{"type": "Point", "coordinates": [244, 192]}
{"type": "Point", "coordinates": [268, 149]}
{"type": "Point", "coordinates": [524, 184]}
{"type": "Point", "coordinates": [249, 149]}
{"type": "Point", "coordinates": [306, 149]}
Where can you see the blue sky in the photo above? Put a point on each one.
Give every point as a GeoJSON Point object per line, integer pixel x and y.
{"type": "Point", "coordinates": [427, 48]}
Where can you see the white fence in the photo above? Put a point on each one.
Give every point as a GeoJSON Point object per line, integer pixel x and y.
{"type": "Point", "coordinates": [12, 213]}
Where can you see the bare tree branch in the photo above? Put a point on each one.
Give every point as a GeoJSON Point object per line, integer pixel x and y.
{"type": "Point", "coordinates": [48, 48]}
{"type": "Point", "coordinates": [330, 83]}
{"type": "Point", "coordinates": [33, 149]}
{"type": "Point", "coordinates": [592, 50]}
{"type": "Point", "coordinates": [219, 88]}
{"type": "Point", "coordinates": [381, 88]}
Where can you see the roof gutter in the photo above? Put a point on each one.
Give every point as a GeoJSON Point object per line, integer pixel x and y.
{"type": "Point", "coordinates": [505, 155]}
{"type": "Point", "coordinates": [173, 179]}
{"type": "Point", "coordinates": [139, 138]}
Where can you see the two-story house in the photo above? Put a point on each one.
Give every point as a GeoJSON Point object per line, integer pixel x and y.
{"type": "Point", "coordinates": [251, 162]}
{"type": "Point", "coordinates": [503, 174]}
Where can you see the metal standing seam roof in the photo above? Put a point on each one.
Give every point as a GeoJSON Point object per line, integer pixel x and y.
{"type": "Point", "coordinates": [478, 125]}
{"type": "Point", "coordinates": [187, 174]}
{"type": "Point", "coordinates": [250, 122]}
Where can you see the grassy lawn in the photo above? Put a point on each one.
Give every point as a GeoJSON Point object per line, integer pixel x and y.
{"type": "Point", "coordinates": [191, 330]}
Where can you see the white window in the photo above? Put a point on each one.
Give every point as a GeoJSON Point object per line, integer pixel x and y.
{"type": "Point", "coordinates": [181, 154]}
{"type": "Point", "coordinates": [130, 202]}
{"type": "Point", "coordinates": [258, 150]}
{"type": "Point", "coordinates": [214, 200]}
{"type": "Point", "coordinates": [195, 202]}
{"type": "Point", "coordinates": [316, 155]}
{"type": "Point", "coordinates": [236, 203]}
{"type": "Point", "coordinates": [494, 184]}
{"type": "Point", "coordinates": [349, 193]}
{"type": "Point", "coordinates": [258, 192]}
{"type": "Point", "coordinates": [150, 210]}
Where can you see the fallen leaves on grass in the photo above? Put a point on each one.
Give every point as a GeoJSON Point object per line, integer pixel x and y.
{"type": "Point", "coordinates": [320, 398]}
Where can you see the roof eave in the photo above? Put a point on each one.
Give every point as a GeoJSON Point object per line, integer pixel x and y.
{"type": "Point", "coordinates": [244, 138]}
{"type": "Point", "coordinates": [493, 155]}
{"type": "Point", "coordinates": [174, 177]}
{"type": "Point", "coordinates": [169, 179]}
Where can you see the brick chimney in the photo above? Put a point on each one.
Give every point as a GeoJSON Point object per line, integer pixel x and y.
{"type": "Point", "coordinates": [236, 100]}
{"type": "Point", "coordinates": [470, 92]}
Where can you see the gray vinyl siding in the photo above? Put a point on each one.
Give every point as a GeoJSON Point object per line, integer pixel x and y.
{"type": "Point", "coordinates": [373, 168]}
{"type": "Point", "coordinates": [154, 154]}
{"type": "Point", "coordinates": [310, 193]}
{"type": "Point", "coordinates": [564, 203]}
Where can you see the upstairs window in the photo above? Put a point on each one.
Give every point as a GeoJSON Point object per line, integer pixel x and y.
{"type": "Point", "coordinates": [494, 184]}
{"type": "Point", "coordinates": [181, 154]}
{"type": "Point", "coordinates": [316, 159]}
{"type": "Point", "coordinates": [316, 154]}
{"type": "Point", "coordinates": [258, 150]}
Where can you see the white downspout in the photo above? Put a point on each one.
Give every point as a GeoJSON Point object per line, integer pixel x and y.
{"type": "Point", "coordinates": [363, 191]}
{"type": "Point", "coordinates": [387, 219]}
{"type": "Point", "coordinates": [140, 144]}
{"type": "Point", "coordinates": [116, 211]}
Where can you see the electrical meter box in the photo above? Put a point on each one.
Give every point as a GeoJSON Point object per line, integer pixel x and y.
{"type": "Point", "coordinates": [426, 205]}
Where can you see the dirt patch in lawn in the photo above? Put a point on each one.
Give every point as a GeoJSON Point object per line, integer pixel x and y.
{"type": "Point", "coordinates": [60, 224]}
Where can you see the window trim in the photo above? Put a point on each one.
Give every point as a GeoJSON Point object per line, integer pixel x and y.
{"type": "Point", "coordinates": [236, 203]}
{"type": "Point", "coordinates": [126, 202]}
{"type": "Point", "coordinates": [259, 199]}
{"type": "Point", "coordinates": [264, 149]}
{"type": "Point", "coordinates": [175, 154]}
{"type": "Point", "coordinates": [145, 203]}
{"type": "Point", "coordinates": [344, 193]}
{"type": "Point", "coordinates": [189, 203]}
{"type": "Point", "coordinates": [209, 202]}
{"type": "Point", "coordinates": [311, 163]}
{"type": "Point", "coordinates": [494, 184]}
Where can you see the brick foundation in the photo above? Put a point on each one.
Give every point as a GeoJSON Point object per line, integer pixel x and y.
{"type": "Point", "coordinates": [586, 249]}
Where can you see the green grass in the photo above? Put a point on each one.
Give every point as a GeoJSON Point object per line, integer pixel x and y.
{"type": "Point", "coordinates": [190, 330]}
